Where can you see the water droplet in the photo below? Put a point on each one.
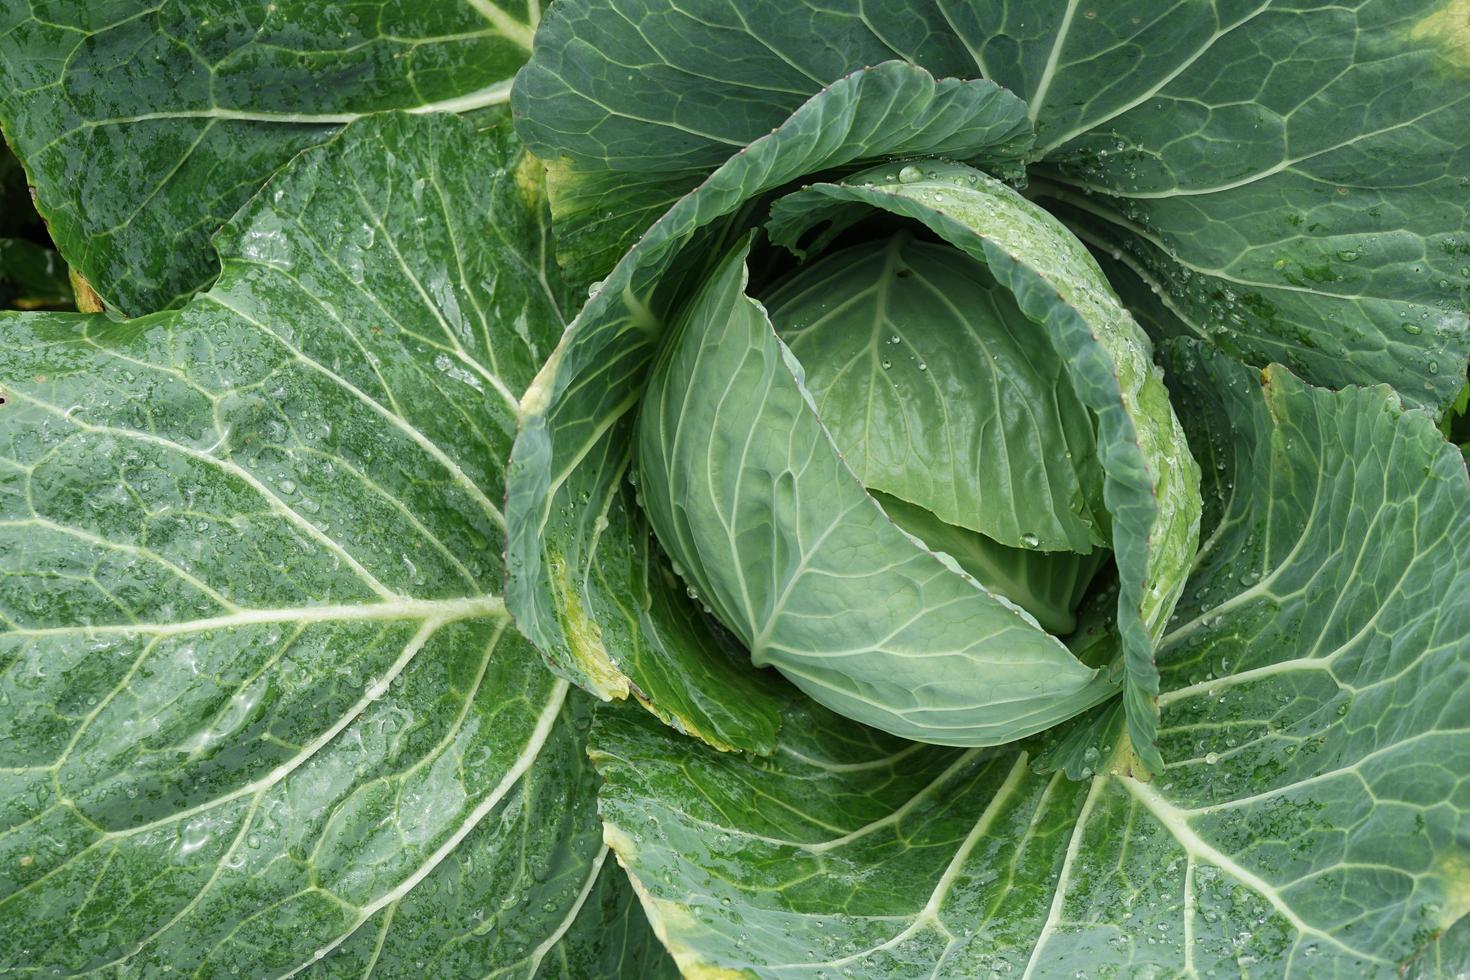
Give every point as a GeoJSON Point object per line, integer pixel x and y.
{"type": "Point", "coordinates": [910, 174]}
{"type": "Point", "coordinates": [1030, 540]}
{"type": "Point", "coordinates": [1211, 758]}
{"type": "Point", "coordinates": [1413, 329]}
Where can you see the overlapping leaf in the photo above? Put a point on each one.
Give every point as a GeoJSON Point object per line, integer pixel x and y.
{"type": "Point", "coordinates": [1151, 485]}
{"type": "Point", "coordinates": [749, 492]}
{"type": "Point", "coordinates": [632, 105]}
{"type": "Point", "coordinates": [1311, 821]}
{"type": "Point", "coordinates": [263, 709]}
{"type": "Point", "coordinates": [145, 126]}
{"type": "Point", "coordinates": [1291, 178]}
{"type": "Point", "coordinates": [885, 331]}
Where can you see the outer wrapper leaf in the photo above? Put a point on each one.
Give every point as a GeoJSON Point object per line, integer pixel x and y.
{"type": "Point", "coordinates": [262, 707]}
{"type": "Point", "coordinates": [1292, 181]}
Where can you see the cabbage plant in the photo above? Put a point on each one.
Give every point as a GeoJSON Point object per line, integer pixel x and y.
{"type": "Point", "coordinates": [731, 489]}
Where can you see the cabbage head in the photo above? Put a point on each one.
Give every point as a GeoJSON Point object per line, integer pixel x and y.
{"type": "Point", "coordinates": [892, 428]}
{"type": "Point", "coordinates": [883, 479]}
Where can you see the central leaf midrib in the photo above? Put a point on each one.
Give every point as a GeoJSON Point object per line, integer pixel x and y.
{"type": "Point", "coordinates": [494, 94]}
{"type": "Point", "coordinates": [483, 606]}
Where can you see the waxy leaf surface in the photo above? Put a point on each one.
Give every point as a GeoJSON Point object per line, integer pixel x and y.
{"type": "Point", "coordinates": [263, 708]}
